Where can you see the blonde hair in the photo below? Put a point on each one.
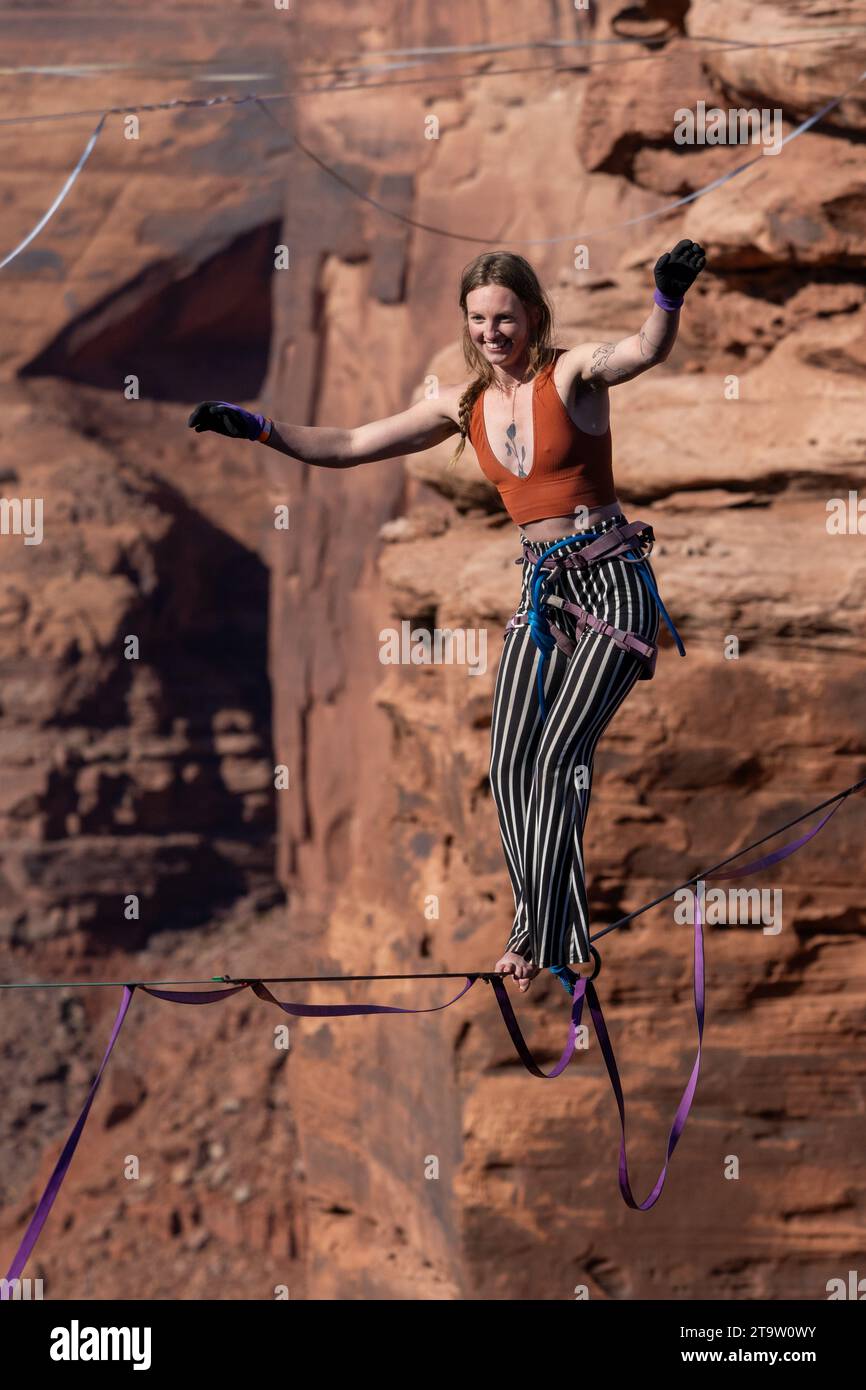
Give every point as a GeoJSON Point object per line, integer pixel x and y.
{"type": "Point", "coordinates": [515, 274]}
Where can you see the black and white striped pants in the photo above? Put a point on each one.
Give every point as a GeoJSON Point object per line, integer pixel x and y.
{"type": "Point", "coordinates": [541, 773]}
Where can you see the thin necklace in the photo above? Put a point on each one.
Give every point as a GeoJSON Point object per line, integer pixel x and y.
{"type": "Point", "coordinates": [511, 434]}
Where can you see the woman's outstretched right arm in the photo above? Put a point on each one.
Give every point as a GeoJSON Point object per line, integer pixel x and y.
{"type": "Point", "coordinates": [424, 424]}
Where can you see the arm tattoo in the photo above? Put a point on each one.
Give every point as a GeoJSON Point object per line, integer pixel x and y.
{"type": "Point", "coordinates": [599, 366]}
{"type": "Point", "coordinates": [648, 348]}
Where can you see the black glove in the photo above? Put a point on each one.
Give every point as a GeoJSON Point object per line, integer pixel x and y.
{"type": "Point", "coordinates": [676, 270]}
{"type": "Point", "coordinates": [228, 419]}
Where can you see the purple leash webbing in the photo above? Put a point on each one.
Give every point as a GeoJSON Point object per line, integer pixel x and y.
{"type": "Point", "coordinates": [46, 1201]}
{"type": "Point", "coordinates": [211, 996]}
{"type": "Point", "coordinates": [346, 1010]}
{"type": "Point", "coordinates": [584, 987]}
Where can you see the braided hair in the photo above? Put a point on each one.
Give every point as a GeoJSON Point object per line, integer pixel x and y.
{"type": "Point", "coordinates": [515, 274]}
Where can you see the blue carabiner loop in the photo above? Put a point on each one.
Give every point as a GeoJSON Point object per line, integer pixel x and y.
{"type": "Point", "coordinates": [537, 623]}
{"type": "Point", "coordinates": [568, 978]}
{"type": "Point", "coordinates": [641, 568]}
{"type": "Point", "coordinates": [565, 976]}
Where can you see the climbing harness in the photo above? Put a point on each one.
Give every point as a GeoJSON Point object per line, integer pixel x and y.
{"type": "Point", "coordinates": [580, 987]}
{"type": "Point", "coordinates": [632, 543]}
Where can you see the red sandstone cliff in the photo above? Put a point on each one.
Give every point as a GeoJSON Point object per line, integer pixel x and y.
{"type": "Point", "coordinates": [311, 1169]}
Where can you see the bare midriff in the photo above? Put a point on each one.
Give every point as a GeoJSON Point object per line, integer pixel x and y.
{"type": "Point", "coordinates": [551, 528]}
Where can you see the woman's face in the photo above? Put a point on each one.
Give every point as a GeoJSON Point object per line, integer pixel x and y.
{"type": "Point", "coordinates": [498, 324]}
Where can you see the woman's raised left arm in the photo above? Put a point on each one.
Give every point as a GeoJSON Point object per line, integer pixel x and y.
{"type": "Point", "coordinates": [612, 363]}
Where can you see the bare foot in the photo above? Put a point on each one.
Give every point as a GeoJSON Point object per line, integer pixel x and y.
{"type": "Point", "coordinates": [523, 970]}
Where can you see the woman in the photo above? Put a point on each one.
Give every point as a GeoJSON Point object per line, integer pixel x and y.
{"type": "Point", "coordinates": [538, 418]}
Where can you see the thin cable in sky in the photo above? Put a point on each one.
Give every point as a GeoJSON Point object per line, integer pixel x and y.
{"type": "Point", "coordinates": [579, 236]}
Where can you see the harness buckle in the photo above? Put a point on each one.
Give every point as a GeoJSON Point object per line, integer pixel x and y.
{"type": "Point", "coordinates": [644, 543]}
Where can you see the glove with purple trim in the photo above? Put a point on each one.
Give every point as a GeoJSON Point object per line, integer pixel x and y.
{"type": "Point", "coordinates": [228, 419]}
{"type": "Point", "coordinates": [676, 270]}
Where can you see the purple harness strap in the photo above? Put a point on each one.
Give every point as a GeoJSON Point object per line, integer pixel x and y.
{"type": "Point", "coordinates": [618, 542]}
{"type": "Point", "coordinates": [583, 987]}
{"type": "Point", "coordinates": [626, 641]}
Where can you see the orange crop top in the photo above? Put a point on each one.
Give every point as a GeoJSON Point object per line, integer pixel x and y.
{"type": "Point", "coordinates": [570, 468]}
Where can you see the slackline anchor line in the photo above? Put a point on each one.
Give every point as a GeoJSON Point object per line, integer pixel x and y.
{"type": "Point", "coordinates": [582, 987]}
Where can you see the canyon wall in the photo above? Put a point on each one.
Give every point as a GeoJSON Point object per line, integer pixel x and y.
{"type": "Point", "coordinates": [412, 1157]}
